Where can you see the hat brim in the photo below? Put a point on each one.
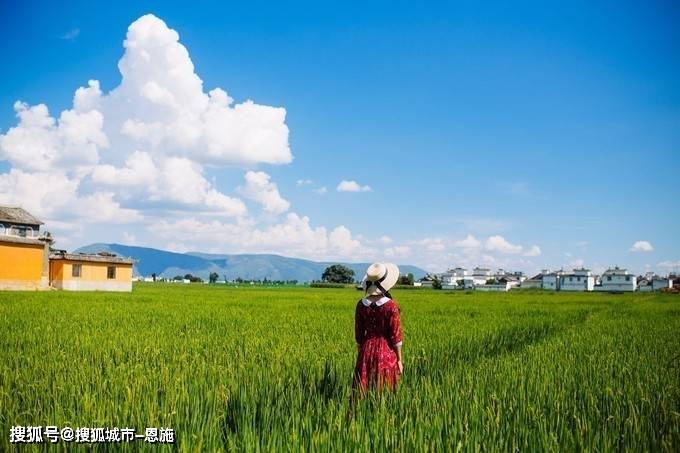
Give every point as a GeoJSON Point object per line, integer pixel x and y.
{"type": "Point", "coordinates": [388, 283]}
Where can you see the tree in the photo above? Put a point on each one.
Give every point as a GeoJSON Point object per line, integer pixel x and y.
{"type": "Point", "coordinates": [213, 277]}
{"type": "Point", "coordinates": [406, 279]}
{"type": "Point", "coordinates": [461, 283]}
{"type": "Point", "coordinates": [153, 276]}
{"type": "Point", "coordinates": [436, 283]}
{"type": "Point", "coordinates": [337, 273]}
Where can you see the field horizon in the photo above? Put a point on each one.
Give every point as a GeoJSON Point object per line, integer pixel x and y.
{"type": "Point", "coordinates": [270, 369]}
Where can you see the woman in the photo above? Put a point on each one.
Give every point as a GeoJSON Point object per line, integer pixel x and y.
{"type": "Point", "coordinates": [377, 329]}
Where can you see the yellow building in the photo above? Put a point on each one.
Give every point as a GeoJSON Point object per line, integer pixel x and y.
{"type": "Point", "coordinates": [24, 251]}
{"type": "Point", "coordinates": [85, 272]}
{"type": "Point", "coordinates": [27, 262]}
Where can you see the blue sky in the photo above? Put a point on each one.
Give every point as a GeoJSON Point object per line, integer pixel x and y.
{"type": "Point", "coordinates": [544, 124]}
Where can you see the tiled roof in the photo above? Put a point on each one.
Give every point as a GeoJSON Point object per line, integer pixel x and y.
{"type": "Point", "coordinates": [17, 215]}
{"type": "Point", "coordinates": [96, 258]}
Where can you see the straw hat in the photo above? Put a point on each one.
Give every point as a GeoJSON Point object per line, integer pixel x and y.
{"type": "Point", "coordinates": [379, 275]}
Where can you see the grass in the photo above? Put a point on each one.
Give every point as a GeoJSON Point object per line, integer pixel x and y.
{"type": "Point", "coordinates": [270, 369]}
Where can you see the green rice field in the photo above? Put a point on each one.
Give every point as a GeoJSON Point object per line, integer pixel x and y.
{"type": "Point", "coordinates": [269, 369]}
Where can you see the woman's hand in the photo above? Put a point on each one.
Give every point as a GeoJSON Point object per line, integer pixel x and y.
{"type": "Point", "coordinates": [401, 367]}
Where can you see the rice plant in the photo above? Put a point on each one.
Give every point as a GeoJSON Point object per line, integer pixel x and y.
{"type": "Point", "coordinates": [233, 369]}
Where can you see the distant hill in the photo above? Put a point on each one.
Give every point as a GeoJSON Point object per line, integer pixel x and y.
{"type": "Point", "coordinates": [256, 267]}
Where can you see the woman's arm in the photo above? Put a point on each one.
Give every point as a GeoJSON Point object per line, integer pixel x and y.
{"type": "Point", "coordinates": [396, 336]}
{"type": "Point", "coordinates": [359, 328]}
{"type": "Point", "coordinates": [399, 363]}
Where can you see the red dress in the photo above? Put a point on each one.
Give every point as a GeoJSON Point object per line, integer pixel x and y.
{"type": "Point", "coordinates": [377, 330]}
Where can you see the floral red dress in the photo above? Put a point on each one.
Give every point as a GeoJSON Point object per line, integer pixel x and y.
{"type": "Point", "coordinates": [377, 329]}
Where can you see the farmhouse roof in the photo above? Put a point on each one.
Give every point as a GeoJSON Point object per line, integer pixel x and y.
{"type": "Point", "coordinates": [616, 271]}
{"type": "Point", "coordinates": [15, 214]}
{"type": "Point", "coordinates": [91, 257]}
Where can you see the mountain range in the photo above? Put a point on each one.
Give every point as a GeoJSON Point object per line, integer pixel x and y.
{"type": "Point", "coordinates": [246, 266]}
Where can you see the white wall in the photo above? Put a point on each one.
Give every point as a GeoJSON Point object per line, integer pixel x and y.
{"type": "Point", "coordinates": [89, 285]}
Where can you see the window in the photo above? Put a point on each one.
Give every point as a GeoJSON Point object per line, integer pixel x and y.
{"type": "Point", "coordinates": [76, 270]}
{"type": "Point", "coordinates": [20, 231]}
{"type": "Point", "coordinates": [609, 278]}
{"type": "Point", "coordinates": [627, 278]}
{"type": "Point", "coordinates": [111, 272]}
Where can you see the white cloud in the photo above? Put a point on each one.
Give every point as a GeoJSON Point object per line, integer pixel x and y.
{"type": "Point", "coordinates": [499, 244]}
{"type": "Point", "coordinates": [352, 186]}
{"type": "Point", "coordinates": [259, 188]}
{"type": "Point", "coordinates": [670, 266]}
{"type": "Point", "coordinates": [129, 238]}
{"type": "Point", "coordinates": [576, 264]}
{"type": "Point", "coordinates": [399, 251]}
{"type": "Point", "coordinates": [294, 236]}
{"type": "Point", "coordinates": [55, 196]}
{"type": "Point", "coordinates": [71, 35]}
{"type": "Point", "coordinates": [171, 179]}
{"type": "Point", "coordinates": [161, 103]}
{"type": "Point", "coordinates": [146, 141]}
{"type": "Point", "coordinates": [440, 253]}
{"type": "Point", "coordinates": [469, 242]}
{"type": "Point", "coordinates": [533, 251]}
{"type": "Point", "coordinates": [385, 240]}
{"type": "Point", "coordinates": [303, 182]}
{"type": "Point", "coordinates": [139, 170]}
{"type": "Point", "coordinates": [41, 143]}
{"type": "Point", "coordinates": [322, 190]}
{"type": "Point", "coordinates": [642, 246]}
{"type": "Point", "coordinates": [431, 244]}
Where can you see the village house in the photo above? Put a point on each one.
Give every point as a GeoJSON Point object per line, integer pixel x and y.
{"type": "Point", "coordinates": [577, 280]}
{"type": "Point", "coordinates": [551, 280]}
{"type": "Point", "coordinates": [616, 280]}
{"type": "Point", "coordinates": [426, 282]}
{"type": "Point", "coordinates": [28, 263]}
{"type": "Point", "coordinates": [452, 278]}
{"type": "Point", "coordinates": [535, 282]}
{"type": "Point", "coordinates": [481, 278]}
{"type": "Point", "coordinates": [87, 272]}
{"type": "Point", "coordinates": [505, 283]}
{"type": "Point", "coordinates": [24, 251]}
{"type": "Point", "coordinates": [654, 283]}
{"type": "Point", "coordinates": [480, 275]}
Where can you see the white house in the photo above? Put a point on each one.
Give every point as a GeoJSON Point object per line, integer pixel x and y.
{"type": "Point", "coordinates": [645, 285]}
{"type": "Point", "coordinates": [451, 277]}
{"type": "Point", "coordinates": [659, 283]}
{"type": "Point", "coordinates": [502, 284]}
{"type": "Point", "coordinates": [577, 280]}
{"type": "Point", "coordinates": [425, 282]}
{"type": "Point", "coordinates": [500, 273]}
{"type": "Point", "coordinates": [654, 283]}
{"type": "Point", "coordinates": [552, 280]}
{"type": "Point", "coordinates": [480, 275]}
{"type": "Point", "coordinates": [534, 282]}
{"type": "Point", "coordinates": [617, 280]}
